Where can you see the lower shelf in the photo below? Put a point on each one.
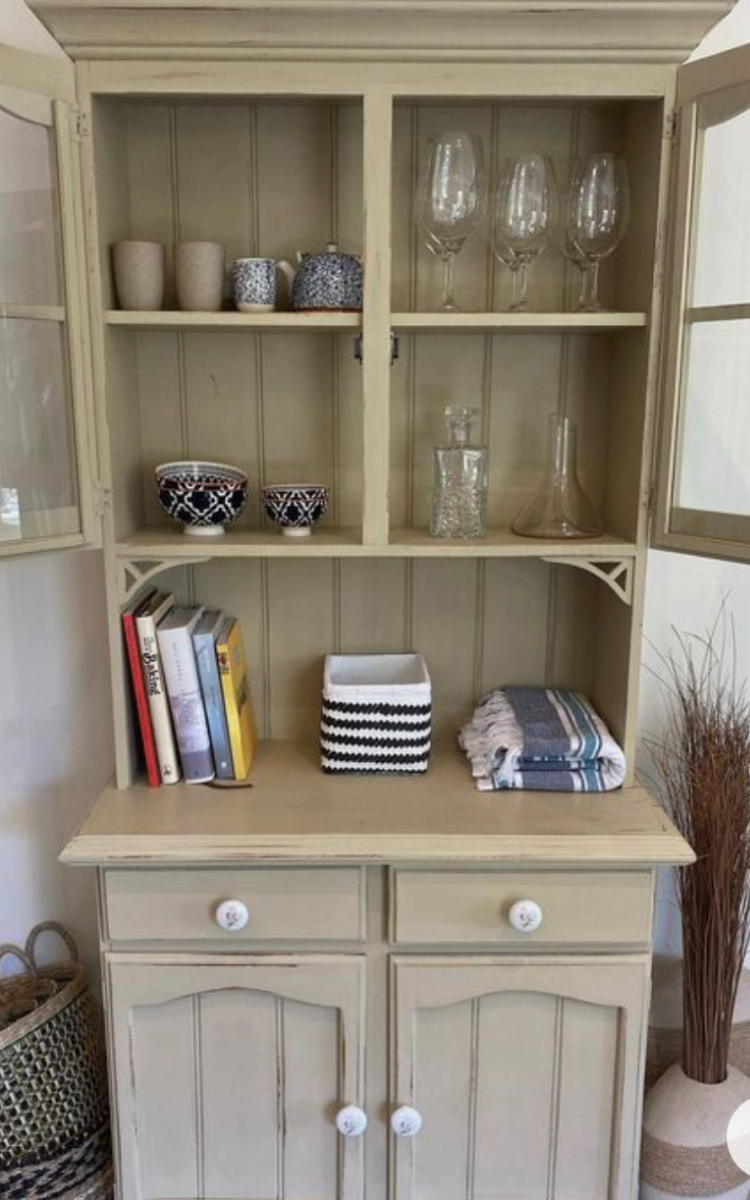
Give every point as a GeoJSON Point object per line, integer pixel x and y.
{"type": "Point", "coordinates": [295, 812]}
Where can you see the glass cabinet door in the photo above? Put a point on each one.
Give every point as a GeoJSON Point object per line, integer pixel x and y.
{"type": "Point", "coordinates": [44, 460]}
{"type": "Point", "coordinates": [704, 489]}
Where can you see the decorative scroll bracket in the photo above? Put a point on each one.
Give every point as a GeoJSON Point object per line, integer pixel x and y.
{"type": "Point", "coordinates": [617, 573]}
{"type": "Point", "coordinates": [132, 573]}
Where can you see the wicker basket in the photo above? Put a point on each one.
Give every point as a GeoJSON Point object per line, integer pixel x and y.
{"type": "Point", "coordinates": [54, 1115]}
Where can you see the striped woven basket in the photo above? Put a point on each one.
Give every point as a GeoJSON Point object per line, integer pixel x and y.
{"type": "Point", "coordinates": [54, 1114]}
{"type": "Point", "coordinates": [377, 714]}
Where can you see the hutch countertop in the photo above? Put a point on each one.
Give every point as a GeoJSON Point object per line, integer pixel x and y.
{"type": "Point", "coordinates": [296, 813]}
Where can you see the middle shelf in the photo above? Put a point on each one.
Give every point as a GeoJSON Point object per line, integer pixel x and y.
{"type": "Point", "coordinates": [166, 543]}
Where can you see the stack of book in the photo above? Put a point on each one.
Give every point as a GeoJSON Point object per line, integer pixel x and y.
{"type": "Point", "coordinates": [191, 690]}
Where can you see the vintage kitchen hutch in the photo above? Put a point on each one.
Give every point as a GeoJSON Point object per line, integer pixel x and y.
{"type": "Point", "coordinates": [378, 968]}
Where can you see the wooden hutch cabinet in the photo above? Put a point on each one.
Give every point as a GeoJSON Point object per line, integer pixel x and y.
{"type": "Point", "coordinates": [379, 972]}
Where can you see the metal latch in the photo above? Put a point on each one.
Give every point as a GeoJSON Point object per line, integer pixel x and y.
{"type": "Point", "coordinates": [359, 348]}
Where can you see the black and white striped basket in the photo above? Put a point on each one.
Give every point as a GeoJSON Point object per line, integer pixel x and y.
{"type": "Point", "coordinates": [377, 714]}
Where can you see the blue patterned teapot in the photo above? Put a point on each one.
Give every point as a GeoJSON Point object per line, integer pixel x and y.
{"type": "Point", "coordinates": [329, 280]}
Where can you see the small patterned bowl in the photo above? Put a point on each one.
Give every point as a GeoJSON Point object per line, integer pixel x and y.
{"type": "Point", "coordinates": [204, 497]}
{"type": "Point", "coordinates": [295, 507]}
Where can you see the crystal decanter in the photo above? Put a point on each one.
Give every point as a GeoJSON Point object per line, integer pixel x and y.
{"type": "Point", "coordinates": [459, 502]}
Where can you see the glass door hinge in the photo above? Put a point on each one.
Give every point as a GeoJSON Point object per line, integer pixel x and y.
{"type": "Point", "coordinates": [79, 122]}
{"type": "Point", "coordinates": [672, 126]}
{"type": "Point", "coordinates": [359, 348]}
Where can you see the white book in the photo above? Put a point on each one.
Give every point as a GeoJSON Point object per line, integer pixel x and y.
{"type": "Point", "coordinates": [175, 635]}
{"type": "Point", "coordinates": [158, 703]}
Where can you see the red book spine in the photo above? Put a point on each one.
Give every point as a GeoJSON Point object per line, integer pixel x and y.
{"type": "Point", "coordinates": [141, 700]}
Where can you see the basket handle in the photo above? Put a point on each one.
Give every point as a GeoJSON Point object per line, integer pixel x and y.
{"type": "Point", "coordinates": [8, 950]}
{"type": "Point", "coordinates": [62, 933]}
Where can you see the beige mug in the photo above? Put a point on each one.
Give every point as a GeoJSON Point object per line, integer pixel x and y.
{"type": "Point", "coordinates": [138, 269]}
{"type": "Point", "coordinates": [199, 276]}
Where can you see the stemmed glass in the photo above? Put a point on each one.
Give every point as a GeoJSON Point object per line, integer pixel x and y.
{"type": "Point", "coordinates": [526, 212]}
{"type": "Point", "coordinates": [597, 218]}
{"type": "Point", "coordinates": [451, 200]}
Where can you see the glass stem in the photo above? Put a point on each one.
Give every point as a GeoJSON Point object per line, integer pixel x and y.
{"type": "Point", "coordinates": [594, 304]}
{"type": "Point", "coordinates": [520, 300]}
{"type": "Point", "coordinates": [449, 303]}
{"type": "Point", "coordinates": [584, 299]}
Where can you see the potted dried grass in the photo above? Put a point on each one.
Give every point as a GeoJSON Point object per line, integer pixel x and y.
{"type": "Point", "coordinates": [703, 761]}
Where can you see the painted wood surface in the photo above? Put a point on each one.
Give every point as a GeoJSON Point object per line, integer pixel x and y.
{"type": "Point", "coordinates": [295, 904]}
{"type": "Point", "coordinates": [229, 1075]}
{"type": "Point", "coordinates": [561, 1125]}
{"type": "Point", "coordinates": [294, 812]}
{"type": "Point", "coordinates": [472, 907]}
{"type": "Point", "coordinates": [595, 30]}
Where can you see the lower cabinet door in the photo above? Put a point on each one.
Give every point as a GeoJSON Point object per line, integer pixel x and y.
{"type": "Point", "coordinates": [527, 1076]}
{"type": "Point", "coordinates": [229, 1075]}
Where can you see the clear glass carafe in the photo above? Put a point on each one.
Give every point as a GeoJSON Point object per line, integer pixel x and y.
{"type": "Point", "coordinates": [459, 501]}
{"type": "Point", "coordinates": [559, 508]}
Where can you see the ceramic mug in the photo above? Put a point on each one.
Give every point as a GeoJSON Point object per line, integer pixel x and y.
{"type": "Point", "coordinates": [254, 282]}
{"type": "Point", "coordinates": [139, 275]}
{"type": "Point", "coordinates": [199, 276]}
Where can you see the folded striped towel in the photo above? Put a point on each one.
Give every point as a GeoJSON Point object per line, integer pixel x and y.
{"type": "Point", "coordinates": [546, 739]}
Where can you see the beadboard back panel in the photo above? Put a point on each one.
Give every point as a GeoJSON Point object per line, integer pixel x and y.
{"type": "Point", "coordinates": [517, 380]}
{"type": "Point", "coordinates": [287, 408]}
{"type": "Point", "coordinates": [263, 179]}
{"type": "Point", "coordinates": [564, 131]}
{"type": "Point", "coordinates": [479, 624]}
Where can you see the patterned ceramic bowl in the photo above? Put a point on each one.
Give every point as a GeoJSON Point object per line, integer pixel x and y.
{"type": "Point", "coordinates": [295, 507]}
{"type": "Point", "coordinates": [203, 496]}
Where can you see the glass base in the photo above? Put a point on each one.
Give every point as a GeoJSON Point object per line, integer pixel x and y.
{"type": "Point", "coordinates": [557, 533]}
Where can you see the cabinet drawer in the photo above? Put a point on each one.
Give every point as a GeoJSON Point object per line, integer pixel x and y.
{"type": "Point", "coordinates": [475, 907]}
{"type": "Point", "coordinates": [282, 903]}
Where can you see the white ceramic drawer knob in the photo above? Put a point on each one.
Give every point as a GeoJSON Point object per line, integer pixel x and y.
{"type": "Point", "coordinates": [406, 1121]}
{"type": "Point", "coordinates": [351, 1121]}
{"type": "Point", "coordinates": [232, 915]}
{"type": "Point", "coordinates": [525, 916]}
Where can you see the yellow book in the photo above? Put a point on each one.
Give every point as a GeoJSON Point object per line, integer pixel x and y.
{"type": "Point", "coordinates": [235, 685]}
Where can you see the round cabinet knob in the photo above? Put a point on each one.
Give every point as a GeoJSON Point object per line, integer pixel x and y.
{"type": "Point", "coordinates": [351, 1121]}
{"type": "Point", "coordinates": [232, 915]}
{"type": "Point", "coordinates": [406, 1121]}
{"type": "Point", "coordinates": [525, 916]}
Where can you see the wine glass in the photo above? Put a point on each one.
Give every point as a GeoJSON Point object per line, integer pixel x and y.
{"type": "Point", "coordinates": [597, 218]}
{"type": "Point", "coordinates": [526, 211]}
{"type": "Point", "coordinates": [451, 200]}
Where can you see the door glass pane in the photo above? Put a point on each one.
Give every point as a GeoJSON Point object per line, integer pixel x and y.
{"type": "Point", "coordinates": [714, 459]}
{"type": "Point", "coordinates": [38, 491]}
{"type": "Point", "coordinates": [29, 214]}
{"type": "Point", "coordinates": [722, 230]}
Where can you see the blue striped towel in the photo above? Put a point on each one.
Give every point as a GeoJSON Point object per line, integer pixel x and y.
{"type": "Point", "coordinates": [546, 739]}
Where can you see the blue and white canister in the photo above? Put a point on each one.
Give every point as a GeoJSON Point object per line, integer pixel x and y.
{"type": "Point", "coordinates": [254, 283]}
